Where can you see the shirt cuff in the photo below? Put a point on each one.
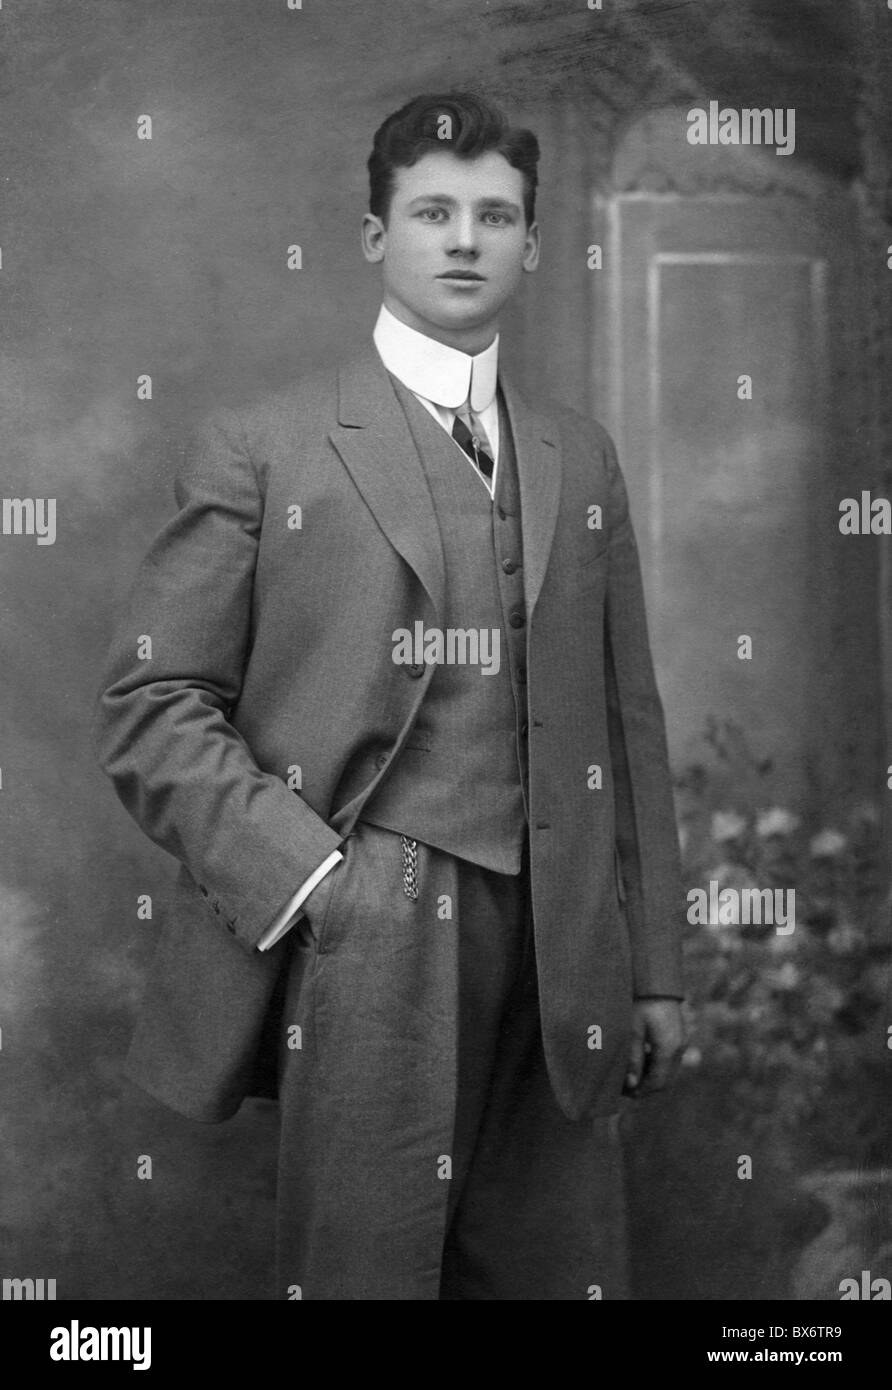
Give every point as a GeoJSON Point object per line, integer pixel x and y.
{"type": "Point", "coordinates": [291, 911]}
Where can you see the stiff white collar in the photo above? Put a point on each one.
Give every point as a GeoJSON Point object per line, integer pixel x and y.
{"type": "Point", "coordinates": [440, 373]}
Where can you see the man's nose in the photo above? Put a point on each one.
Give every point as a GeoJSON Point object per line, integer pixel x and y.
{"type": "Point", "coordinates": [463, 240]}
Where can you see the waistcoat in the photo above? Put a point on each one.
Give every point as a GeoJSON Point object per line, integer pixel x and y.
{"type": "Point", "coordinates": [460, 782]}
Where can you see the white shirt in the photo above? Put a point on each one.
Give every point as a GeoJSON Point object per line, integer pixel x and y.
{"type": "Point", "coordinates": [443, 379]}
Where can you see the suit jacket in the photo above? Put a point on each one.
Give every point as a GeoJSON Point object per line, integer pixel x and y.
{"type": "Point", "coordinates": [271, 650]}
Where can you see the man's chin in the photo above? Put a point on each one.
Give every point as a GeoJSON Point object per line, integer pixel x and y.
{"type": "Point", "coordinates": [449, 319]}
{"type": "Point", "coordinates": [458, 316]}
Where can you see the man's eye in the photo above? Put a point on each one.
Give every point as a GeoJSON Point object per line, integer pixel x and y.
{"type": "Point", "coordinates": [433, 214]}
{"type": "Point", "coordinates": [496, 219]}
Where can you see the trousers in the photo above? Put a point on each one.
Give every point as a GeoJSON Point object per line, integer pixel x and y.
{"type": "Point", "coordinates": [422, 1154]}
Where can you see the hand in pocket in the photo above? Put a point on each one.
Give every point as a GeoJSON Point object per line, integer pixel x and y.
{"type": "Point", "coordinates": [314, 906]}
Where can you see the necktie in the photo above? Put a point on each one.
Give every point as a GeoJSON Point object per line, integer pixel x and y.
{"type": "Point", "coordinates": [474, 444]}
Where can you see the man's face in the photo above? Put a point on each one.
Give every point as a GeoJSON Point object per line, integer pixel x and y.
{"type": "Point", "coordinates": [455, 245]}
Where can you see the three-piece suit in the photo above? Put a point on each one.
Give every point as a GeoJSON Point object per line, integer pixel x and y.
{"type": "Point", "coordinates": [449, 1041]}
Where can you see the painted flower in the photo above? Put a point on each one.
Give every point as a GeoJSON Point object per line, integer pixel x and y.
{"type": "Point", "coordinates": [829, 844]}
{"type": "Point", "coordinates": [776, 821]}
{"type": "Point", "coordinates": [726, 825]}
{"type": "Point", "coordinates": [786, 978]}
{"type": "Point", "coordinates": [845, 938]}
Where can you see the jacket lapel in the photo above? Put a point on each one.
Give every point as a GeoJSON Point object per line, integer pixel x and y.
{"type": "Point", "coordinates": [374, 440]}
{"type": "Point", "coordinates": [376, 445]}
{"type": "Point", "coordinates": [538, 451]}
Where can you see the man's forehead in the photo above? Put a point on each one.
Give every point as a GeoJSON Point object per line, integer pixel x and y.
{"type": "Point", "coordinates": [445, 172]}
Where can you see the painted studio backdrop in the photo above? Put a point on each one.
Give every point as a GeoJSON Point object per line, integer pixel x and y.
{"type": "Point", "coordinates": [723, 307]}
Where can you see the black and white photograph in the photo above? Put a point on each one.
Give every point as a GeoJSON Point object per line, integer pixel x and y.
{"type": "Point", "coordinates": [446, 630]}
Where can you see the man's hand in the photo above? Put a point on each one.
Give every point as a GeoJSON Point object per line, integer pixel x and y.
{"type": "Point", "coordinates": [658, 1041]}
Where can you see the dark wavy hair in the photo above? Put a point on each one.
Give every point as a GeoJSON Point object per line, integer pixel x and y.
{"type": "Point", "coordinates": [478, 126]}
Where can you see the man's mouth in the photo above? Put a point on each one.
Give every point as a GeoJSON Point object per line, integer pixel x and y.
{"type": "Point", "coordinates": [460, 275]}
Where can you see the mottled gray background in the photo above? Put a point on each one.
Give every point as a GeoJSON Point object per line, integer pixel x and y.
{"type": "Point", "coordinates": [122, 257]}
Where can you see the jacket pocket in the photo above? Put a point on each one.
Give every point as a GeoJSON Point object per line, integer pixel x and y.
{"type": "Point", "coordinates": [320, 911]}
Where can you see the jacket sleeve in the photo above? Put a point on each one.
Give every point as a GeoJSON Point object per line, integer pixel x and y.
{"type": "Point", "coordinates": [175, 671]}
{"type": "Point", "coordinates": [646, 832]}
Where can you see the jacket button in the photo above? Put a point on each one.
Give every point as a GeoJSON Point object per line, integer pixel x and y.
{"type": "Point", "coordinates": [509, 566]}
{"type": "Point", "coordinates": [517, 619]}
{"type": "Point", "coordinates": [415, 670]}
{"type": "Point", "coordinates": [382, 759]}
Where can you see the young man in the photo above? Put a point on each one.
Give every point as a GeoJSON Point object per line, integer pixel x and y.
{"type": "Point", "coordinates": [411, 757]}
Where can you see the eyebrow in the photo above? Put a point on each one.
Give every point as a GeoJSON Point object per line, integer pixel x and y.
{"type": "Point", "coordinates": [504, 203]}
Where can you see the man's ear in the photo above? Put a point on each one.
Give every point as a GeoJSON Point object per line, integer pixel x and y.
{"type": "Point", "coordinates": [531, 247]}
{"type": "Point", "coordinates": [373, 238]}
